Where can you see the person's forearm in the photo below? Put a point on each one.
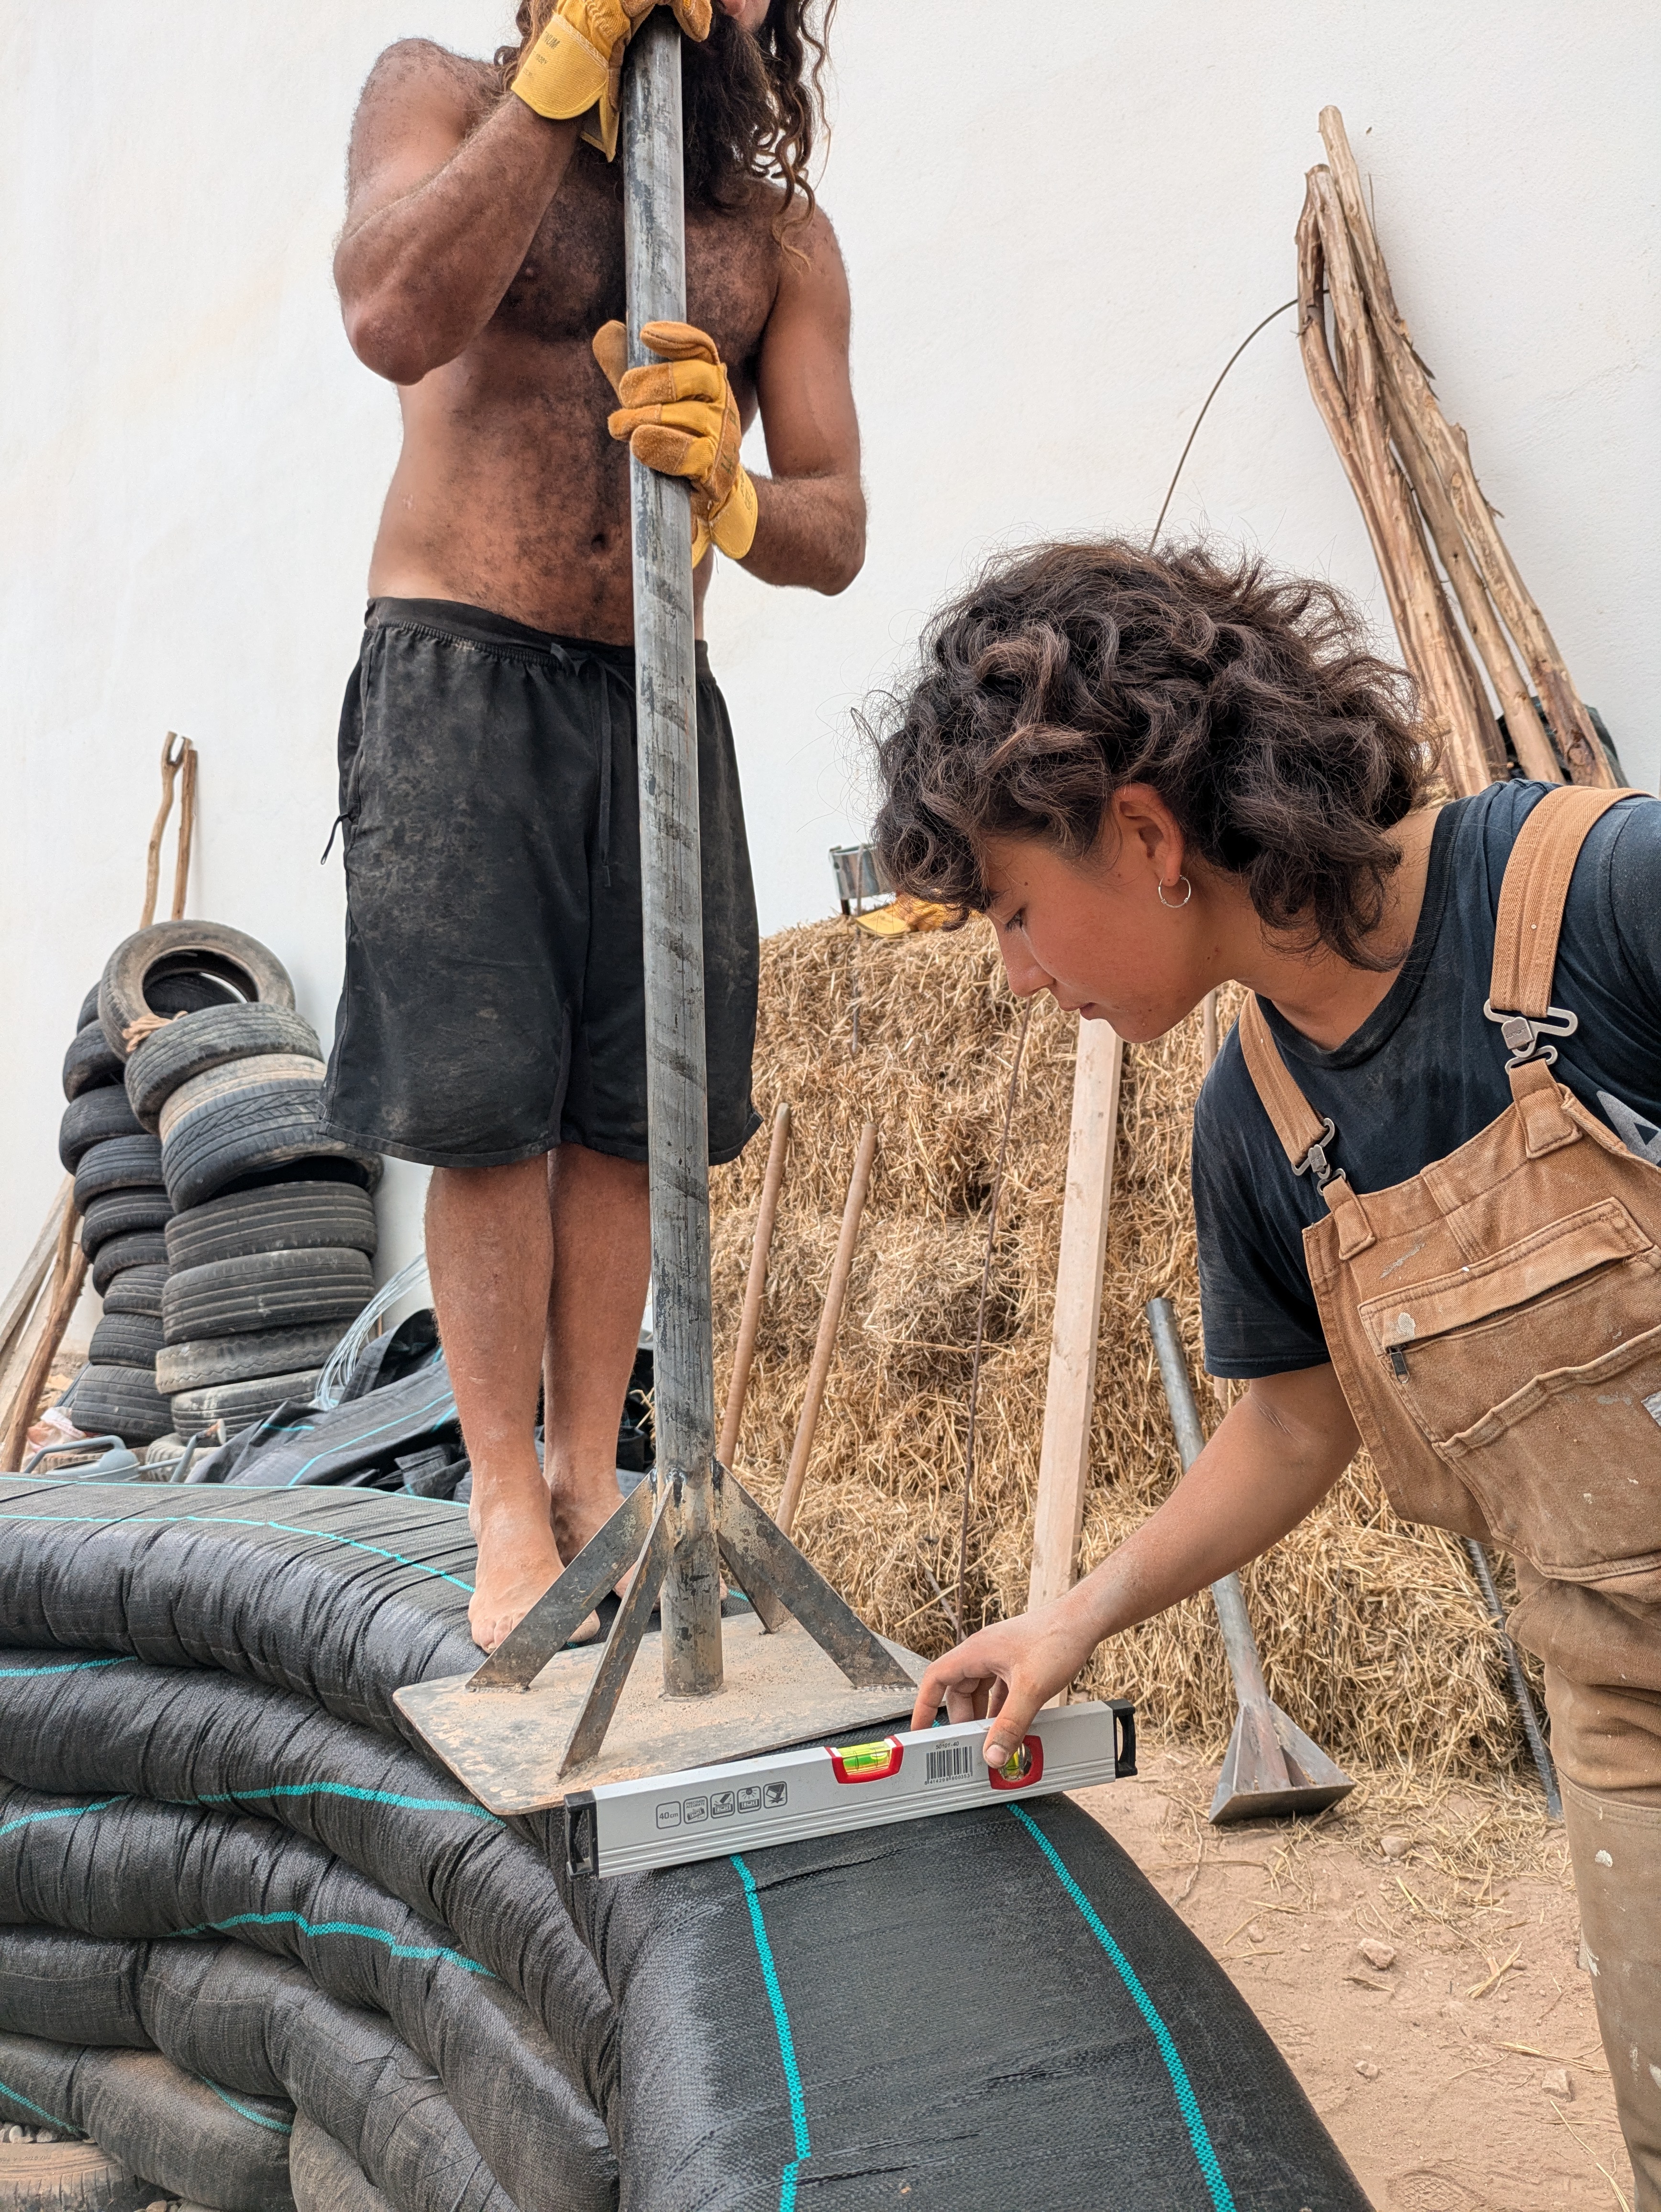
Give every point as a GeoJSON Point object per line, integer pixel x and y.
{"type": "Point", "coordinates": [421, 277]}
{"type": "Point", "coordinates": [1256, 1478]}
{"type": "Point", "coordinates": [809, 530]}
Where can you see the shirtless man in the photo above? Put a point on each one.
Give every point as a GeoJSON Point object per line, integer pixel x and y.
{"type": "Point", "coordinates": [491, 1024]}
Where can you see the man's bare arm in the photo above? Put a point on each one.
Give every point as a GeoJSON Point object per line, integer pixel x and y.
{"type": "Point", "coordinates": [810, 527]}
{"type": "Point", "coordinates": [439, 217]}
{"type": "Point", "coordinates": [1271, 1461]}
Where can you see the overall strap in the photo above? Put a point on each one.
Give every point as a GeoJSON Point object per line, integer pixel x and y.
{"type": "Point", "coordinates": [1301, 1130]}
{"type": "Point", "coordinates": [1530, 917]}
{"type": "Point", "coordinates": [1304, 1135]}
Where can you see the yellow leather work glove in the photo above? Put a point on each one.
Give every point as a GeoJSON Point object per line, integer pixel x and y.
{"type": "Point", "coordinates": [682, 420]}
{"type": "Point", "coordinates": [577, 63]}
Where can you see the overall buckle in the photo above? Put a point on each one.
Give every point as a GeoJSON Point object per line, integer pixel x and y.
{"type": "Point", "coordinates": [1523, 1034]}
{"type": "Point", "coordinates": [1315, 1161]}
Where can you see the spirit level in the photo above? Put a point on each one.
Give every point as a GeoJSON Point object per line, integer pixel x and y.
{"type": "Point", "coordinates": [745, 1804]}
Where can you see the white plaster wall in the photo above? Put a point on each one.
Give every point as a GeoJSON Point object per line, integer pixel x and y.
{"type": "Point", "coordinates": [1055, 241]}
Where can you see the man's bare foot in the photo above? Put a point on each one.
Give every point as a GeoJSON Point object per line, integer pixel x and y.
{"type": "Point", "coordinates": [577, 1519]}
{"type": "Point", "coordinates": [517, 1561]}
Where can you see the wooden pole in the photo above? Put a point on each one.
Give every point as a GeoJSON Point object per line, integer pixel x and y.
{"type": "Point", "coordinates": [671, 893]}
{"type": "Point", "coordinates": [1450, 454]}
{"type": "Point", "coordinates": [181, 873]}
{"type": "Point", "coordinates": [67, 1284]}
{"type": "Point", "coordinates": [1510, 688]}
{"type": "Point", "coordinates": [172, 755]}
{"type": "Point", "coordinates": [1424, 624]}
{"type": "Point", "coordinates": [745, 1351]}
{"type": "Point", "coordinates": [829, 1321]}
{"type": "Point", "coordinates": [1070, 1394]}
{"type": "Point", "coordinates": [19, 1300]}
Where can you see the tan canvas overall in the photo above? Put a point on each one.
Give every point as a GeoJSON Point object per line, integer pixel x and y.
{"type": "Point", "coordinates": [1495, 1324]}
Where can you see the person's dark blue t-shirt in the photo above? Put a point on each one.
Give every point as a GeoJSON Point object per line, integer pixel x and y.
{"type": "Point", "coordinates": [1426, 1069]}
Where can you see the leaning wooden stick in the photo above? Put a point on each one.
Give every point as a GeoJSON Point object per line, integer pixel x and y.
{"type": "Point", "coordinates": [755, 1289]}
{"type": "Point", "coordinates": [67, 1284]}
{"type": "Point", "coordinates": [829, 1321]}
{"type": "Point", "coordinates": [1450, 454]}
{"type": "Point", "coordinates": [181, 874]}
{"type": "Point", "coordinates": [19, 1300]}
{"type": "Point", "coordinates": [1070, 1390]}
{"type": "Point", "coordinates": [172, 754]}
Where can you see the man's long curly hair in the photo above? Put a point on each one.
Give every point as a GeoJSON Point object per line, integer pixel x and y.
{"type": "Point", "coordinates": [753, 104]}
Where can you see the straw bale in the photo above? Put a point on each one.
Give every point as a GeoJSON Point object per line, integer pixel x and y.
{"type": "Point", "coordinates": [1372, 1633]}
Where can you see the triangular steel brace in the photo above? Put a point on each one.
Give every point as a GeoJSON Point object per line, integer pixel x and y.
{"type": "Point", "coordinates": [645, 1532]}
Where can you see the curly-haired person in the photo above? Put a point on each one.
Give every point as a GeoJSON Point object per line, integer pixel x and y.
{"type": "Point", "coordinates": [492, 1020]}
{"type": "Point", "coordinates": [1427, 1164]}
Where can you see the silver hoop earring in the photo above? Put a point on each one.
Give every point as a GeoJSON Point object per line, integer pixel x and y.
{"type": "Point", "coordinates": [1176, 905]}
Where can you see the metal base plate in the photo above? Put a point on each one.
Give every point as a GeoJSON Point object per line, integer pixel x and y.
{"type": "Point", "coordinates": [1272, 1769]}
{"type": "Point", "coordinates": [506, 1745]}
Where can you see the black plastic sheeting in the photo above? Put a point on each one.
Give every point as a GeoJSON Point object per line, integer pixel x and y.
{"type": "Point", "coordinates": [965, 2015]}
{"type": "Point", "coordinates": [194, 2137]}
{"type": "Point", "coordinates": [358, 1444]}
{"type": "Point", "coordinates": [276, 2044]}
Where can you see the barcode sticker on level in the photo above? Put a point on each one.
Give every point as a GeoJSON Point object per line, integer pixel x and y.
{"type": "Point", "coordinates": [953, 1762]}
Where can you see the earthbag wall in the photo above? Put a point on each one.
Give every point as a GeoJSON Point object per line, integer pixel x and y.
{"type": "Point", "coordinates": [192, 2138]}
{"type": "Point", "coordinates": [124, 1867]}
{"type": "Point", "coordinates": [105, 1727]}
{"type": "Point", "coordinates": [987, 2010]}
{"type": "Point", "coordinates": [963, 2014]}
{"type": "Point", "coordinates": [325, 2178]}
{"type": "Point", "coordinates": [264, 2032]}
{"type": "Point", "coordinates": [339, 1596]}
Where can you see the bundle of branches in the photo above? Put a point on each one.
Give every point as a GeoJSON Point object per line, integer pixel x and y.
{"type": "Point", "coordinates": [1411, 472]}
{"type": "Point", "coordinates": [1374, 1634]}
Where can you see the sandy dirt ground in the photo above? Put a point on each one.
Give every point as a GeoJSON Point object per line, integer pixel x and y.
{"type": "Point", "coordinates": [1414, 1955]}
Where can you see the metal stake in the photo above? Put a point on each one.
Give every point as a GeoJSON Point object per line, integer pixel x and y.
{"type": "Point", "coordinates": [671, 894]}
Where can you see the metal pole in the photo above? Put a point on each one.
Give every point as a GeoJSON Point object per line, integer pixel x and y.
{"type": "Point", "coordinates": [672, 892]}
{"type": "Point", "coordinates": [1520, 1685]}
{"type": "Point", "coordinates": [1226, 1595]}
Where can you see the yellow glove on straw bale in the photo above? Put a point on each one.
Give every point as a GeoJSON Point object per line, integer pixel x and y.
{"type": "Point", "coordinates": [681, 419]}
{"type": "Point", "coordinates": [905, 916]}
{"type": "Point", "coordinates": [577, 63]}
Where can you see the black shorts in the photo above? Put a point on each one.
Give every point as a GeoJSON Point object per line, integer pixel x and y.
{"type": "Point", "coordinates": [494, 999]}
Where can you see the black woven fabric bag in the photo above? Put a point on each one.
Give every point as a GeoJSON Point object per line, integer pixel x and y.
{"type": "Point", "coordinates": [104, 1726]}
{"type": "Point", "coordinates": [340, 1596]}
{"type": "Point", "coordinates": [126, 1868]}
{"type": "Point", "coordinates": [193, 2137]}
{"type": "Point", "coordinates": [267, 2033]}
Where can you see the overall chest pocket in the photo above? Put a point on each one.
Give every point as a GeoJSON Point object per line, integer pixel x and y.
{"type": "Point", "coordinates": [1528, 1372]}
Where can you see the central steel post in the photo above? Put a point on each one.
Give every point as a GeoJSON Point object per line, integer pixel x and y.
{"type": "Point", "coordinates": [671, 894]}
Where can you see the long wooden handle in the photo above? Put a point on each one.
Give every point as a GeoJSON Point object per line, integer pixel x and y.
{"type": "Point", "coordinates": [829, 1321]}
{"type": "Point", "coordinates": [755, 1289]}
{"type": "Point", "coordinates": [172, 754]}
{"type": "Point", "coordinates": [66, 1296]}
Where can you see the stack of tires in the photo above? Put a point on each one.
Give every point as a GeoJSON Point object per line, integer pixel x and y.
{"type": "Point", "coordinates": [269, 1226]}
{"type": "Point", "coordinates": [123, 1207]}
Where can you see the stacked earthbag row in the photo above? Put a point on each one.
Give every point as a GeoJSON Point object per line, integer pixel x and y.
{"type": "Point", "coordinates": [222, 1846]}
{"type": "Point", "coordinates": [122, 1200]}
{"type": "Point", "coordinates": [272, 1231]}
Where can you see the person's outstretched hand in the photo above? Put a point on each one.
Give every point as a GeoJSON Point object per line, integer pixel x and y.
{"type": "Point", "coordinates": [1006, 1673]}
